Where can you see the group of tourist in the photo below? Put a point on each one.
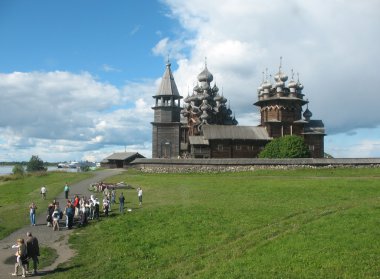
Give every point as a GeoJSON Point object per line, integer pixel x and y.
{"type": "Point", "coordinates": [80, 208]}
{"type": "Point", "coordinates": [27, 251]}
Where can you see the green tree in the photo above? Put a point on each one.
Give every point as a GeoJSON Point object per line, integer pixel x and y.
{"type": "Point", "coordinates": [18, 169]}
{"type": "Point", "coordinates": [35, 164]}
{"type": "Point", "coordinates": [286, 147]}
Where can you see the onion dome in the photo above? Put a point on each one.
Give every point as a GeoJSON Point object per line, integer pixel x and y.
{"type": "Point", "coordinates": [229, 111]}
{"type": "Point", "coordinates": [234, 121]}
{"type": "Point", "coordinates": [196, 88]}
{"type": "Point", "coordinates": [279, 83]}
{"type": "Point", "coordinates": [299, 84]}
{"type": "Point", "coordinates": [217, 98]}
{"type": "Point", "coordinates": [307, 114]}
{"type": "Point", "coordinates": [205, 75]}
{"type": "Point", "coordinates": [259, 89]}
{"type": "Point", "coordinates": [280, 76]}
{"type": "Point", "coordinates": [266, 85]}
{"type": "Point", "coordinates": [215, 89]}
{"type": "Point", "coordinates": [204, 105]}
{"type": "Point", "coordinates": [204, 86]}
{"type": "Point", "coordinates": [222, 100]}
{"type": "Point", "coordinates": [292, 84]}
{"type": "Point", "coordinates": [201, 97]}
{"type": "Point", "coordinates": [204, 115]}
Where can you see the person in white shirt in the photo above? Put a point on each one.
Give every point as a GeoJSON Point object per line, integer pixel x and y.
{"type": "Point", "coordinates": [140, 194]}
{"type": "Point", "coordinates": [43, 192]}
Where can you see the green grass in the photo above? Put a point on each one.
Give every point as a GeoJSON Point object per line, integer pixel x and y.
{"type": "Point", "coordinates": [310, 223]}
{"type": "Point", "coordinates": [47, 257]}
{"type": "Point", "coordinates": [17, 195]}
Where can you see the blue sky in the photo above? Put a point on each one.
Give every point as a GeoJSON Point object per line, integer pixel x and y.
{"type": "Point", "coordinates": [101, 37]}
{"type": "Point", "coordinates": [77, 76]}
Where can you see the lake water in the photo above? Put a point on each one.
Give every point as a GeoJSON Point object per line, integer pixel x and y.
{"type": "Point", "coordinates": [8, 169]}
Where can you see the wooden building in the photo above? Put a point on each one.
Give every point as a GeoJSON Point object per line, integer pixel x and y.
{"type": "Point", "coordinates": [166, 123]}
{"type": "Point", "coordinates": [120, 160]}
{"type": "Point", "coordinates": [207, 128]}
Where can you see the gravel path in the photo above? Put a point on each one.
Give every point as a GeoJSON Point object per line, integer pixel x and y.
{"type": "Point", "coordinates": [46, 236]}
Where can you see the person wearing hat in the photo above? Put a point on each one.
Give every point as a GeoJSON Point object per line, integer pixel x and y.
{"type": "Point", "coordinates": [33, 250]}
{"type": "Point", "coordinates": [22, 257]}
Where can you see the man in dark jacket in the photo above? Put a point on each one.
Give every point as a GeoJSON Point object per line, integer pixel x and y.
{"type": "Point", "coordinates": [33, 250]}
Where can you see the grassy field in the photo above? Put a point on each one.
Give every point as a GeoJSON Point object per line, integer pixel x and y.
{"type": "Point", "coordinates": [18, 194]}
{"type": "Point", "coordinates": [321, 223]}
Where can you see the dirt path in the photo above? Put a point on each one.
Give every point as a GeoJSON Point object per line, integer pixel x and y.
{"type": "Point", "coordinates": [57, 240]}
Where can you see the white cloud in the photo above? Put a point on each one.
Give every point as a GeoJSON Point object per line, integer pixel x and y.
{"type": "Point", "coordinates": [332, 44]}
{"type": "Point", "coordinates": [59, 115]}
{"type": "Point", "coordinates": [107, 68]}
{"type": "Point", "coordinates": [135, 29]}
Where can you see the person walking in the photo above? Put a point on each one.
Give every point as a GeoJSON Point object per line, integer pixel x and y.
{"type": "Point", "coordinates": [66, 189]}
{"type": "Point", "coordinates": [140, 195]}
{"type": "Point", "coordinates": [33, 250]}
{"type": "Point", "coordinates": [56, 215]}
{"type": "Point", "coordinates": [22, 258]}
{"type": "Point", "coordinates": [43, 192]}
{"type": "Point", "coordinates": [121, 203]}
{"type": "Point", "coordinates": [113, 196]}
{"type": "Point", "coordinates": [32, 214]}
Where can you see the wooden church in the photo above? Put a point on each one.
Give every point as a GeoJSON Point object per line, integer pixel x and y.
{"type": "Point", "coordinates": [204, 127]}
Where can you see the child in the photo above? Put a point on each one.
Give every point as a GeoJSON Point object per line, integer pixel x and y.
{"type": "Point", "coordinates": [21, 259]}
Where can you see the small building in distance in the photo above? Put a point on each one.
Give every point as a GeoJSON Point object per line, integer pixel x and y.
{"type": "Point", "coordinates": [205, 126]}
{"type": "Point", "coordinates": [120, 159]}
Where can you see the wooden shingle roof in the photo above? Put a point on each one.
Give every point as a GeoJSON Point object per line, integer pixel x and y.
{"type": "Point", "coordinates": [235, 132]}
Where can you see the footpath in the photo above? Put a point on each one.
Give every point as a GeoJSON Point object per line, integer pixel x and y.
{"type": "Point", "coordinates": [57, 240]}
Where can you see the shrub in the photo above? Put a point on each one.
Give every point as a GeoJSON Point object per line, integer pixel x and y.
{"type": "Point", "coordinates": [286, 147]}
{"type": "Point", "coordinates": [35, 164]}
{"type": "Point", "coordinates": [18, 170]}
{"type": "Point", "coordinates": [84, 168]}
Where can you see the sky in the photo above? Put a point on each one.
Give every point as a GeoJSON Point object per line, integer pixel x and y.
{"type": "Point", "coordinates": [77, 76]}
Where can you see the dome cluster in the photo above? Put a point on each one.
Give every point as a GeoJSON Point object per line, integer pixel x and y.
{"type": "Point", "coordinates": [279, 88]}
{"type": "Point", "coordinates": [277, 93]}
{"type": "Point", "coordinates": [205, 105]}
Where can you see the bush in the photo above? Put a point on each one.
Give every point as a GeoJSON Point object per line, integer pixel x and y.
{"type": "Point", "coordinates": [35, 164]}
{"type": "Point", "coordinates": [84, 168]}
{"type": "Point", "coordinates": [18, 170]}
{"type": "Point", "coordinates": [286, 147]}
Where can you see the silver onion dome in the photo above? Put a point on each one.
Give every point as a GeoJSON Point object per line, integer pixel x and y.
{"type": "Point", "coordinates": [205, 75]}
{"type": "Point", "coordinates": [217, 97]}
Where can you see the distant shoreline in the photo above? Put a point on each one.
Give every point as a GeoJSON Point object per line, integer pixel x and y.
{"type": "Point", "coordinates": [7, 169]}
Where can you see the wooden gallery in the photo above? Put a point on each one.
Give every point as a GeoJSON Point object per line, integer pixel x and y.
{"type": "Point", "coordinates": [206, 128]}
